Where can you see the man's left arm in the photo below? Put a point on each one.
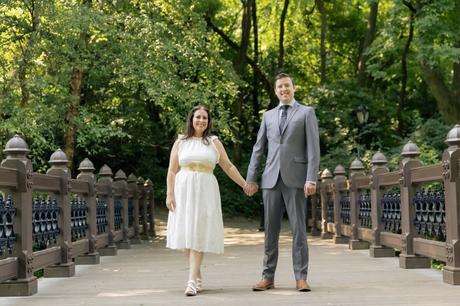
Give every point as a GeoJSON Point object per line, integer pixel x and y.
{"type": "Point", "coordinates": [313, 152]}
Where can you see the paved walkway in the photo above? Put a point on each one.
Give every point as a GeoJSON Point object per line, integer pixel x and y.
{"type": "Point", "coordinates": [149, 274]}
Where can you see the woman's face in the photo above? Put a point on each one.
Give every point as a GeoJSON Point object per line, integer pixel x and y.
{"type": "Point", "coordinates": [200, 121]}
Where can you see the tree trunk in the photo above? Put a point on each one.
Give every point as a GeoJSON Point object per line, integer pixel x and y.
{"type": "Point", "coordinates": [26, 54]}
{"type": "Point", "coordinates": [255, 77]}
{"type": "Point", "coordinates": [281, 41]}
{"type": "Point", "coordinates": [240, 64]}
{"type": "Point", "coordinates": [321, 9]}
{"type": "Point", "coordinates": [369, 38]}
{"type": "Point", "coordinates": [267, 84]}
{"type": "Point", "coordinates": [448, 103]}
{"type": "Point", "coordinates": [73, 111]}
{"type": "Point", "coordinates": [403, 91]}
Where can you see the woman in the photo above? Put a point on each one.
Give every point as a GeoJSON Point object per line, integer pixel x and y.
{"type": "Point", "coordinates": [195, 216]}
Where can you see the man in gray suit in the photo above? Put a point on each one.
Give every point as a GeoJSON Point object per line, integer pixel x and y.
{"type": "Point", "coordinates": [290, 131]}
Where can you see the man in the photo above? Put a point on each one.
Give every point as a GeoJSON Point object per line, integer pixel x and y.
{"type": "Point", "coordinates": [290, 131]}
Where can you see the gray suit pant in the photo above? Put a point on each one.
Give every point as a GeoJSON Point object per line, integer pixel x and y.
{"type": "Point", "coordinates": [276, 201]}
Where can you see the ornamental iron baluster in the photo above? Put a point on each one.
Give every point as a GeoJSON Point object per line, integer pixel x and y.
{"type": "Point", "coordinates": [345, 207]}
{"type": "Point", "coordinates": [45, 229]}
{"type": "Point", "coordinates": [364, 214]}
{"type": "Point", "coordinates": [330, 207]}
{"type": "Point", "coordinates": [118, 207]}
{"type": "Point", "coordinates": [101, 217]}
{"type": "Point", "coordinates": [391, 212]}
{"type": "Point", "coordinates": [7, 219]}
{"type": "Point", "coordinates": [130, 212]}
{"type": "Point", "coordinates": [429, 218]}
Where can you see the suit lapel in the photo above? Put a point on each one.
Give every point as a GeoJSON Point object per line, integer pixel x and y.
{"type": "Point", "coordinates": [277, 120]}
{"type": "Point", "coordinates": [294, 109]}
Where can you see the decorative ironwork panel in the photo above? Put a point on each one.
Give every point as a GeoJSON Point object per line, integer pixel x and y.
{"type": "Point", "coordinates": [141, 213]}
{"type": "Point", "coordinates": [391, 212]}
{"type": "Point", "coordinates": [317, 206]}
{"type": "Point", "coordinates": [130, 212]}
{"type": "Point", "coordinates": [330, 207]}
{"type": "Point", "coordinates": [118, 209]}
{"type": "Point", "coordinates": [345, 207]}
{"type": "Point", "coordinates": [364, 206]}
{"type": "Point", "coordinates": [7, 219]}
{"type": "Point", "coordinates": [430, 216]}
{"type": "Point", "coordinates": [101, 216]}
{"type": "Point", "coordinates": [79, 223]}
{"type": "Point", "coordinates": [45, 230]}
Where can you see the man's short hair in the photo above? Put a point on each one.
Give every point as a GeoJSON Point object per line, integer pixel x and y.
{"type": "Point", "coordinates": [283, 75]}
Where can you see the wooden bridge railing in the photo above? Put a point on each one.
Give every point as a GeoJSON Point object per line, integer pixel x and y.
{"type": "Point", "coordinates": [415, 209]}
{"type": "Point", "coordinates": [51, 221]}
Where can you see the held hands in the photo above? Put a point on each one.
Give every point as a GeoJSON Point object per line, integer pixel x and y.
{"type": "Point", "coordinates": [171, 203]}
{"type": "Point", "coordinates": [309, 189]}
{"type": "Point", "coordinates": [250, 188]}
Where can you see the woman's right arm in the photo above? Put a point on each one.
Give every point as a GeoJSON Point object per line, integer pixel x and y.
{"type": "Point", "coordinates": [171, 177]}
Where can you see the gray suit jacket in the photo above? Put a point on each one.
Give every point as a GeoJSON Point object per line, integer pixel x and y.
{"type": "Point", "coordinates": [294, 153]}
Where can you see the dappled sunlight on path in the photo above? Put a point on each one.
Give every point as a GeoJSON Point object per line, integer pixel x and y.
{"type": "Point", "coordinates": [237, 231]}
{"type": "Point", "coordinates": [151, 274]}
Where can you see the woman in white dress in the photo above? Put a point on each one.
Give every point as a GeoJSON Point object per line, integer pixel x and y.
{"type": "Point", "coordinates": [193, 199]}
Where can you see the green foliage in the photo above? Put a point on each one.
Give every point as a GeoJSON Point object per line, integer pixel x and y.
{"type": "Point", "coordinates": [147, 63]}
{"type": "Point", "coordinates": [438, 38]}
{"type": "Point", "coordinates": [234, 201]}
{"type": "Point", "coordinates": [436, 264]}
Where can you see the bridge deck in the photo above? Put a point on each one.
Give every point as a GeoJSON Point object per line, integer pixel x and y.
{"type": "Point", "coordinates": [149, 274]}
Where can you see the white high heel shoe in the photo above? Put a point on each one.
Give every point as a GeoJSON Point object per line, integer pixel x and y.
{"type": "Point", "coordinates": [191, 289]}
{"type": "Point", "coordinates": [199, 285]}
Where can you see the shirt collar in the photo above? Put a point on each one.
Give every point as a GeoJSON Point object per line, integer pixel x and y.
{"type": "Point", "coordinates": [291, 103]}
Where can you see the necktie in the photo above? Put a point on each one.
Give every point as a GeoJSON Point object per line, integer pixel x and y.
{"type": "Point", "coordinates": [283, 118]}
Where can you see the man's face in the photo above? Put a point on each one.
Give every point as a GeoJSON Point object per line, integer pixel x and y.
{"type": "Point", "coordinates": [284, 90]}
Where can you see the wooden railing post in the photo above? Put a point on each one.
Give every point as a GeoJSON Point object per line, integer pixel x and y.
{"type": "Point", "coordinates": [16, 150]}
{"type": "Point", "coordinates": [340, 183]}
{"type": "Point", "coordinates": [132, 187]}
{"type": "Point", "coordinates": [376, 249]}
{"type": "Point", "coordinates": [326, 178]}
{"type": "Point", "coordinates": [105, 181]}
{"type": "Point", "coordinates": [86, 174]}
{"type": "Point", "coordinates": [150, 205]}
{"type": "Point", "coordinates": [143, 208]}
{"type": "Point", "coordinates": [121, 187]}
{"type": "Point", "coordinates": [407, 258]}
{"type": "Point", "coordinates": [451, 177]}
{"type": "Point", "coordinates": [315, 201]}
{"type": "Point", "coordinates": [356, 171]}
{"type": "Point", "coordinates": [59, 162]}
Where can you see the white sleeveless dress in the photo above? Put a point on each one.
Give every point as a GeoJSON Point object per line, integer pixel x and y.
{"type": "Point", "coordinates": [196, 222]}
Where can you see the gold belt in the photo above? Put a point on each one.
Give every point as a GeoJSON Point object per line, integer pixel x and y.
{"type": "Point", "coordinates": [198, 167]}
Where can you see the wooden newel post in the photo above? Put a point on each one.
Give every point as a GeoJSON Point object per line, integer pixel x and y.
{"type": "Point", "coordinates": [121, 187]}
{"type": "Point", "coordinates": [326, 179]}
{"type": "Point", "coordinates": [105, 184]}
{"type": "Point", "coordinates": [407, 258]}
{"type": "Point", "coordinates": [59, 162]}
{"type": "Point", "coordinates": [86, 174]}
{"type": "Point", "coordinates": [134, 193]}
{"type": "Point", "coordinates": [143, 208]}
{"type": "Point", "coordinates": [150, 205]}
{"type": "Point", "coordinates": [376, 249]}
{"type": "Point", "coordinates": [315, 201]}
{"type": "Point", "coordinates": [340, 185]}
{"type": "Point", "coordinates": [16, 150]}
{"type": "Point", "coordinates": [451, 177]}
{"type": "Point", "coordinates": [356, 171]}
